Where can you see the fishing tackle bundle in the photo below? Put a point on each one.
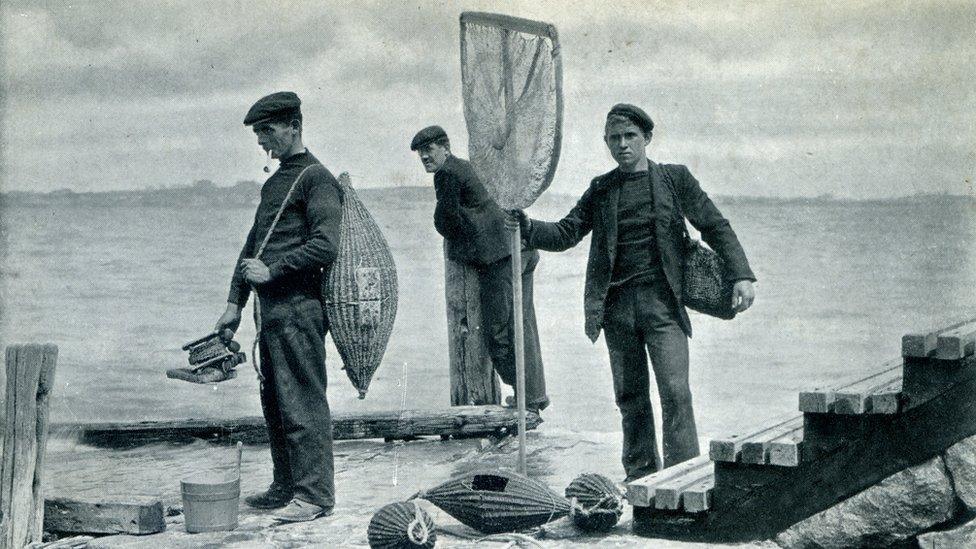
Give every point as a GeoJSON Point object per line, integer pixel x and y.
{"type": "Point", "coordinates": [212, 358]}
{"type": "Point", "coordinates": [596, 502]}
{"type": "Point", "coordinates": [401, 525]}
{"type": "Point", "coordinates": [498, 501]}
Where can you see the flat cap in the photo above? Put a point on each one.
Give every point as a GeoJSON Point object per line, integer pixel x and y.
{"type": "Point", "coordinates": [426, 135]}
{"type": "Point", "coordinates": [634, 114]}
{"type": "Point", "coordinates": [277, 105]}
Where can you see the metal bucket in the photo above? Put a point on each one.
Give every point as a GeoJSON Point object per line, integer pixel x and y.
{"type": "Point", "coordinates": [210, 504]}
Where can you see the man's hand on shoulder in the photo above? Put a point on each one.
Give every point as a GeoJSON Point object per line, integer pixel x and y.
{"type": "Point", "coordinates": [255, 271]}
{"type": "Point", "coordinates": [743, 294]}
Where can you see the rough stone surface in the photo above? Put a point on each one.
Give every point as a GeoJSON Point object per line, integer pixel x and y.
{"type": "Point", "coordinates": [963, 536]}
{"type": "Point", "coordinates": [893, 510]}
{"type": "Point", "coordinates": [960, 459]}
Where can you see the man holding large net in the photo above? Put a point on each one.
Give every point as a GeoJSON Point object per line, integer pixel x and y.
{"type": "Point", "coordinates": [474, 228]}
{"type": "Point", "coordinates": [634, 282]}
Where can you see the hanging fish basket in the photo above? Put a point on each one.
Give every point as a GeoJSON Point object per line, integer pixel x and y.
{"type": "Point", "coordinates": [494, 502]}
{"type": "Point", "coordinates": [401, 525]}
{"type": "Point", "coordinates": [360, 291]}
{"type": "Point", "coordinates": [596, 501]}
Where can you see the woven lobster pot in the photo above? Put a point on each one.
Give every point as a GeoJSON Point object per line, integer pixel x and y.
{"type": "Point", "coordinates": [598, 503]}
{"type": "Point", "coordinates": [360, 291]}
{"type": "Point", "coordinates": [494, 501]}
{"type": "Point", "coordinates": [401, 525]}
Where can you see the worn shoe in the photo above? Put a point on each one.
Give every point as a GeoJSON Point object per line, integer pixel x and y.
{"type": "Point", "coordinates": [274, 498]}
{"type": "Point", "coordinates": [301, 511]}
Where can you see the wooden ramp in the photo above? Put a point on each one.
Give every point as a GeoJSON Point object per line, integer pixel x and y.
{"type": "Point", "coordinates": [846, 438]}
{"type": "Point", "coordinates": [456, 421]}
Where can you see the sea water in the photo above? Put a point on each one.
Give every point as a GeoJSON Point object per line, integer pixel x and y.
{"type": "Point", "coordinates": [121, 289]}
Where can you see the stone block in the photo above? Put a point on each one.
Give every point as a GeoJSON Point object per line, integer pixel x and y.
{"type": "Point", "coordinates": [960, 459]}
{"type": "Point", "coordinates": [893, 510]}
{"type": "Point", "coordinates": [963, 536]}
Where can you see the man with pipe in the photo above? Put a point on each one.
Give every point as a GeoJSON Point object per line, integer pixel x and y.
{"type": "Point", "coordinates": [475, 230]}
{"type": "Point", "coordinates": [295, 236]}
{"type": "Point", "coordinates": [634, 283]}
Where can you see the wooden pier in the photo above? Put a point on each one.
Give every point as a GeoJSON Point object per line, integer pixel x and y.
{"type": "Point", "coordinates": [846, 439]}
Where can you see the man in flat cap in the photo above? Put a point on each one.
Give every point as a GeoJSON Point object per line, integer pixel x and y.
{"type": "Point", "coordinates": [295, 235]}
{"type": "Point", "coordinates": [633, 282]}
{"type": "Point", "coordinates": [473, 227]}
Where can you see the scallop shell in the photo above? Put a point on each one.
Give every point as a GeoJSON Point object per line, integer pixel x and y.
{"type": "Point", "coordinates": [401, 525]}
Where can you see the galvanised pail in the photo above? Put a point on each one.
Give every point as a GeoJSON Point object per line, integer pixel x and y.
{"type": "Point", "coordinates": [210, 504]}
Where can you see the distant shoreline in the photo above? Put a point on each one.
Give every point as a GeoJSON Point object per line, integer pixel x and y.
{"type": "Point", "coordinates": [247, 193]}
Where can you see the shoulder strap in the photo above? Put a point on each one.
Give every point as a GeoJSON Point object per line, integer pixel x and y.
{"type": "Point", "coordinates": [281, 209]}
{"type": "Point", "coordinates": [669, 183]}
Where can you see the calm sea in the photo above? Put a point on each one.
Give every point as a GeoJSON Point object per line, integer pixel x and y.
{"type": "Point", "coordinates": [121, 289]}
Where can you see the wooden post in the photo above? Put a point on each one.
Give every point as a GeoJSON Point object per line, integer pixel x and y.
{"type": "Point", "coordinates": [30, 377]}
{"type": "Point", "coordinates": [473, 380]}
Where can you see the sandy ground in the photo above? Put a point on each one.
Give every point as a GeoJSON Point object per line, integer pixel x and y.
{"type": "Point", "coordinates": [369, 474]}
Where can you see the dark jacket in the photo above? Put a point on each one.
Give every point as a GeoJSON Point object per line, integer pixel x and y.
{"type": "Point", "coordinates": [467, 217]}
{"type": "Point", "coordinates": [597, 211]}
{"type": "Point", "coordinates": [306, 239]}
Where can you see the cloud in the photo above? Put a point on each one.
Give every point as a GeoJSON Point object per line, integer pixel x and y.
{"type": "Point", "coordinates": [132, 94]}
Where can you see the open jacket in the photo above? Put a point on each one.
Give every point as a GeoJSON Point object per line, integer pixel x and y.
{"type": "Point", "coordinates": [467, 217]}
{"type": "Point", "coordinates": [596, 211]}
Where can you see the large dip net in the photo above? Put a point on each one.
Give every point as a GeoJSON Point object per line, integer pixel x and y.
{"type": "Point", "coordinates": [511, 78]}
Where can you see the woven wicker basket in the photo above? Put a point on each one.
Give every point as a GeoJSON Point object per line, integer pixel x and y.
{"type": "Point", "coordinates": [360, 291]}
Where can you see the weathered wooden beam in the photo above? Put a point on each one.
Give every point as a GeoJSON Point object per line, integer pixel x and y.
{"type": "Point", "coordinates": [887, 399]}
{"type": "Point", "coordinates": [131, 515]}
{"type": "Point", "coordinates": [758, 450]}
{"type": "Point", "coordinates": [458, 421]}
{"type": "Point", "coordinates": [473, 380]}
{"type": "Point", "coordinates": [924, 343]}
{"type": "Point", "coordinates": [641, 492]}
{"type": "Point", "coordinates": [30, 378]}
{"type": "Point", "coordinates": [850, 397]}
{"type": "Point", "coordinates": [957, 343]}
{"type": "Point", "coordinates": [672, 493]}
{"type": "Point", "coordinates": [730, 448]}
{"type": "Point", "coordinates": [751, 502]}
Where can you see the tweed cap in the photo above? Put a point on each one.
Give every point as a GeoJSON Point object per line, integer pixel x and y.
{"type": "Point", "coordinates": [277, 105]}
{"type": "Point", "coordinates": [426, 135]}
{"type": "Point", "coordinates": [634, 114]}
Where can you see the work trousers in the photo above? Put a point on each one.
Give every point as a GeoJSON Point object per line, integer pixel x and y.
{"type": "Point", "coordinates": [498, 321]}
{"type": "Point", "coordinates": [293, 396]}
{"type": "Point", "coordinates": [646, 317]}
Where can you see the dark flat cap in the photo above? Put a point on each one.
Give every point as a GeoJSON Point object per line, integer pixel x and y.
{"type": "Point", "coordinates": [277, 105]}
{"type": "Point", "coordinates": [634, 114]}
{"type": "Point", "coordinates": [426, 135]}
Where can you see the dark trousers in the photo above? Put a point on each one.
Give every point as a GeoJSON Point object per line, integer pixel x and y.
{"type": "Point", "coordinates": [293, 396]}
{"type": "Point", "coordinates": [498, 321]}
{"type": "Point", "coordinates": [638, 318]}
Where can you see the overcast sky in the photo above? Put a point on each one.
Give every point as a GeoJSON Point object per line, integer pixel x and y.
{"type": "Point", "coordinates": [865, 100]}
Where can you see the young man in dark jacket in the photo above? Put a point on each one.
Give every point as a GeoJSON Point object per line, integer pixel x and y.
{"type": "Point", "coordinates": [474, 228]}
{"type": "Point", "coordinates": [287, 277]}
{"type": "Point", "coordinates": [633, 282]}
